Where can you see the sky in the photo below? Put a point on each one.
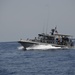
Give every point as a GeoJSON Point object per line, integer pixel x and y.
{"type": "Point", "coordinates": [22, 19]}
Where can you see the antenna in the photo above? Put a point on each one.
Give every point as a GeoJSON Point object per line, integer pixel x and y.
{"type": "Point", "coordinates": [43, 28]}
{"type": "Point", "coordinates": [47, 18]}
{"type": "Point", "coordinates": [44, 25]}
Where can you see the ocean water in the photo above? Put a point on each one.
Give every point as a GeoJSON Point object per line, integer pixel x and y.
{"type": "Point", "coordinates": [15, 61]}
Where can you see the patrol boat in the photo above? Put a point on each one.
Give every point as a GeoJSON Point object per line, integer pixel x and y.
{"type": "Point", "coordinates": [54, 38]}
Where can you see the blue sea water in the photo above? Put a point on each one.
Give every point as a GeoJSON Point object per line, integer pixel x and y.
{"type": "Point", "coordinates": [14, 61]}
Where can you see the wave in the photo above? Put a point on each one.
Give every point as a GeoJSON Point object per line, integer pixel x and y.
{"type": "Point", "coordinates": [21, 47]}
{"type": "Point", "coordinates": [43, 47]}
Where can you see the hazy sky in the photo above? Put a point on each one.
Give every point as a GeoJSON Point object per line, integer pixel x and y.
{"type": "Point", "coordinates": [26, 18]}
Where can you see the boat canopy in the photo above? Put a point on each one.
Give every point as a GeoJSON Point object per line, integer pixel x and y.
{"type": "Point", "coordinates": [62, 35]}
{"type": "Point", "coordinates": [54, 35]}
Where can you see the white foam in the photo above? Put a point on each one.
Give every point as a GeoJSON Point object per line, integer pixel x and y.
{"type": "Point", "coordinates": [43, 47]}
{"type": "Point", "coordinates": [21, 47]}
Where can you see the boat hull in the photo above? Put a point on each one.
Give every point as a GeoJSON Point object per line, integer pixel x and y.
{"type": "Point", "coordinates": [27, 43]}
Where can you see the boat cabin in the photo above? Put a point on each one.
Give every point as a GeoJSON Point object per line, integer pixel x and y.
{"type": "Point", "coordinates": [59, 39]}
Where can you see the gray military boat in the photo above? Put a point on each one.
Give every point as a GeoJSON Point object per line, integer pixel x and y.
{"type": "Point", "coordinates": [54, 38]}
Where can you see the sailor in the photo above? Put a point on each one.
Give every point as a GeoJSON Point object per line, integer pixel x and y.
{"type": "Point", "coordinates": [71, 43]}
{"type": "Point", "coordinates": [57, 40]}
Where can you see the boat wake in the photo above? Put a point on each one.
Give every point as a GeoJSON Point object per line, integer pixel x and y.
{"type": "Point", "coordinates": [21, 47]}
{"type": "Point", "coordinates": [39, 47]}
{"type": "Point", "coordinates": [42, 47]}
